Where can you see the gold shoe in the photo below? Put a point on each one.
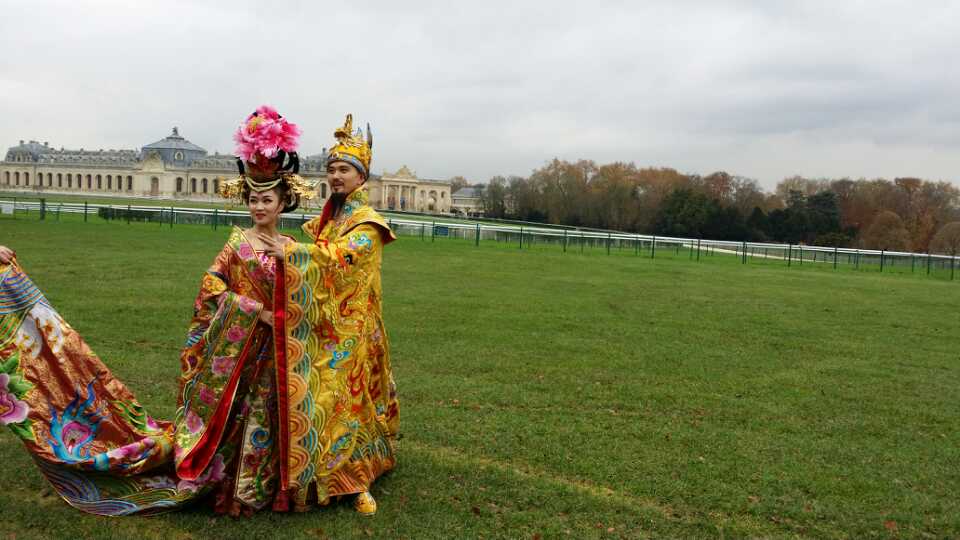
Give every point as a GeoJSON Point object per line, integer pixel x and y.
{"type": "Point", "coordinates": [365, 504]}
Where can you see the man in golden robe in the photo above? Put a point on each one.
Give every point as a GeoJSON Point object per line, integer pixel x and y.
{"type": "Point", "coordinates": [341, 404]}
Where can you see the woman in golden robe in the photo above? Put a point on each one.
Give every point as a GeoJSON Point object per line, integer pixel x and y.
{"type": "Point", "coordinates": [285, 383]}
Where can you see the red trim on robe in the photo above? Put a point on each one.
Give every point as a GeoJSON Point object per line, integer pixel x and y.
{"type": "Point", "coordinates": [199, 458]}
{"type": "Point", "coordinates": [283, 390]}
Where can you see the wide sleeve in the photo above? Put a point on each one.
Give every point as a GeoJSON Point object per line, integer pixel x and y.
{"type": "Point", "coordinates": [216, 351]}
{"type": "Point", "coordinates": [354, 250]}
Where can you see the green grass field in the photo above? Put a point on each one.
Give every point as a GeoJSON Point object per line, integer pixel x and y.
{"type": "Point", "coordinates": [552, 395]}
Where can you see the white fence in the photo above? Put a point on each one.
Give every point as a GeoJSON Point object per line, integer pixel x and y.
{"type": "Point", "coordinates": [524, 236]}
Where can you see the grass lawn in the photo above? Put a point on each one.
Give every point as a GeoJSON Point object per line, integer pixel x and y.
{"type": "Point", "coordinates": [569, 395]}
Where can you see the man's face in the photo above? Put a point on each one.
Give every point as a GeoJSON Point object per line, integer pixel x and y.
{"type": "Point", "coordinates": [343, 177]}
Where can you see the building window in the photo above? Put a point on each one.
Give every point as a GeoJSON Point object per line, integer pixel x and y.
{"type": "Point", "coordinates": [59, 179]}
{"type": "Point", "coordinates": [204, 182]}
{"type": "Point", "coordinates": [216, 185]}
{"type": "Point", "coordinates": [99, 182]}
{"type": "Point", "coordinates": [109, 181]}
{"type": "Point", "coordinates": [179, 185]}
{"type": "Point", "coordinates": [69, 180]}
{"type": "Point", "coordinates": [89, 182]}
{"type": "Point", "coordinates": [16, 177]}
{"type": "Point", "coordinates": [49, 179]}
{"type": "Point", "coordinates": [26, 179]}
{"type": "Point", "coordinates": [193, 185]}
{"type": "Point", "coordinates": [178, 156]}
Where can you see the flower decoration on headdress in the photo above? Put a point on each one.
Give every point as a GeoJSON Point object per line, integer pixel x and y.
{"type": "Point", "coordinates": [352, 147]}
{"type": "Point", "coordinates": [265, 133]}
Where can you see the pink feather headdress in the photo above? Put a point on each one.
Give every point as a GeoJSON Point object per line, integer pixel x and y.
{"type": "Point", "coordinates": [265, 133]}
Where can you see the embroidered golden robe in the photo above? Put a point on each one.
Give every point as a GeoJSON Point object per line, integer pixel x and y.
{"type": "Point", "coordinates": [342, 400]}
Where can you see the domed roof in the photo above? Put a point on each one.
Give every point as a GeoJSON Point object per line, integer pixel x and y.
{"type": "Point", "coordinates": [174, 142]}
{"type": "Point", "coordinates": [31, 148]}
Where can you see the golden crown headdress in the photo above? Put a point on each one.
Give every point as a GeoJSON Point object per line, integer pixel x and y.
{"type": "Point", "coordinates": [233, 188]}
{"type": "Point", "coordinates": [352, 147]}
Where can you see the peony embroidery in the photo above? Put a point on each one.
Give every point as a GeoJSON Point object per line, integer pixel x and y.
{"type": "Point", "coordinates": [207, 395]}
{"type": "Point", "coordinates": [245, 251]}
{"type": "Point", "coordinates": [248, 305]}
{"type": "Point", "coordinates": [12, 410]}
{"type": "Point", "coordinates": [236, 333]}
{"type": "Point", "coordinates": [223, 365]}
{"type": "Point", "coordinates": [194, 422]}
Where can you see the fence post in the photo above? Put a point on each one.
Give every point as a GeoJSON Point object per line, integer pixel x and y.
{"type": "Point", "coordinates": [881, 260]}
{"type": "Point", "coordinates": [834, 257]}
{"type": "Point", "coordinates": [215, 220]}
{"type": "Point", "coordinates": [43, 209]}
{"type": "Point", "coordinates": [423, 230]}
{"type": "Point", "coordinates": [521, 237]}
{"type": "Point", "coordinates": [698, 250]}
{"type": "Point", "coordinates": [856, 260]}
{"type": "Point", "coordinates": [129, 210]}
{"type": "Point", "coordinates": [789, 254]}
{"type": "Point", "coordinates": [653, 247]}
{"type": "Point", "coordinates": [608, 243]}
{"type": "Point", "coordinates": [581, 242]}
{"type": "Point", "coordinates": [801, 254]}
{"type": "Point", "coordinates": [928, 263]}
{"type": "Point", "coordinates": [477, 241]}
{"type": "Point", "coordinates": [953, 257]}
{"type": "Point", "coordinates": [744, 252]}
{"type": "Point", "coordinates": [564, 240]}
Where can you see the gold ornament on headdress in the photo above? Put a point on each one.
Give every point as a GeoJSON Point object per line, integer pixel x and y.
{"type": "Point", "coordinates": [352, 147]}
{"type": "Point", "coordinates": [233, 188]}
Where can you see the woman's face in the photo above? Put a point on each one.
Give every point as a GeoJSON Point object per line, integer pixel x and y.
{"type": "Point", "coordinates": [265, 207]}
{"type": "Point", "coordinates": [343, 177]}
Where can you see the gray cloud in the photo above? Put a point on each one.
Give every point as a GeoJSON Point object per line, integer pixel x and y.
{"type": "Point", "coordinates": [758, 88]}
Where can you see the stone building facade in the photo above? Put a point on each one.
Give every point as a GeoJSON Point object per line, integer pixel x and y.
{"type": "Point", "coordinates": [402, 190]}
{"type": "Point", "coordinates": [175, 168]}
{"type": "Point", "coordinates": [467, 202]}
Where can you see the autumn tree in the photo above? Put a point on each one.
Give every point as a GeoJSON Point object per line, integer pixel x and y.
{"type": "Point", "coordinates": [887, 232]}
{"type": "Point", "coordinates": [947, 239]}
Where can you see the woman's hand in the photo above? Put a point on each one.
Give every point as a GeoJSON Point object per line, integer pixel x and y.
{"type": "Point", "coordinates": [6, 254]}
{"type": "Point", "coordinates": [271, 247]}
{"type": "Point", "coordinates": [266, 317]}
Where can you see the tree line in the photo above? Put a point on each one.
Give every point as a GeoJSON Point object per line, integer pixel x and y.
{"type": "Point", "coordinates": [905, 214]}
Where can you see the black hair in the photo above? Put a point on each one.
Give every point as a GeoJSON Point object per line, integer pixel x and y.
{"type": "Point", "coordinates": [290, 199]}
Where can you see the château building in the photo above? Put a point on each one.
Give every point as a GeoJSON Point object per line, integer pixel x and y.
{"type": "Point", "coordinates": [175, 168]}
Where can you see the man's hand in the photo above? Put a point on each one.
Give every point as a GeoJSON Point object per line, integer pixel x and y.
{"type": "Point", "coordinates": [6, 254]}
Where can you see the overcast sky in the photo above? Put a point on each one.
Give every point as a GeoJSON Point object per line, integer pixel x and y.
{"type": "Point", "coordinates": [763, 89]}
